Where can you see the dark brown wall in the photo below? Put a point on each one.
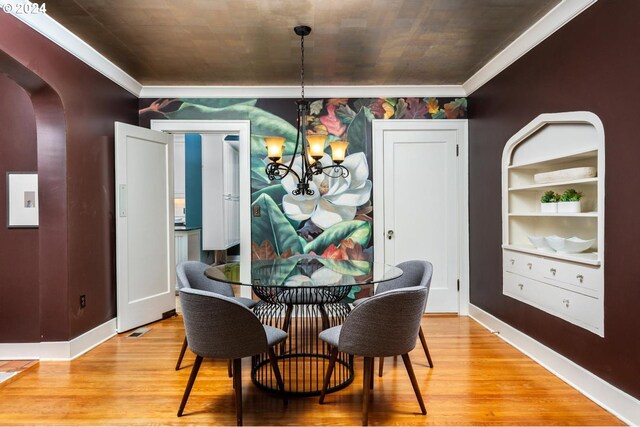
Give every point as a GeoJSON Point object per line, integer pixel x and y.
{"type": "Point", "coordinates": [19, 292]}
{"type": "Point", "coordinates": [592, 64]}
{"type": "Point", "coordinates": [76, 181]}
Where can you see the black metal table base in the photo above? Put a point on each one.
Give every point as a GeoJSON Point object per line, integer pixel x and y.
{"type": "Point", "coordinates": [303, 358]}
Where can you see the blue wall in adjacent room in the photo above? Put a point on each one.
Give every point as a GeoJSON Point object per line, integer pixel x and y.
{"type": "Point", "coordinates": [193, 179]}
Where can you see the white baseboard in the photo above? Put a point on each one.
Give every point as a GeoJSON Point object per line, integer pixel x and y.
{"type": "Point", "coordinates": [614, 400]}
{"type": "Point", "coordinates": [59, 350]}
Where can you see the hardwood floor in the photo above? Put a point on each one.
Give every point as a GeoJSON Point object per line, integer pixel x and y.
{"type": "Point", "coordinates": [477, 380]}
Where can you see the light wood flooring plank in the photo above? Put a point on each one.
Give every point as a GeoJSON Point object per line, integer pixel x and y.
{"type": "Point", "coordinates": [477, 380]}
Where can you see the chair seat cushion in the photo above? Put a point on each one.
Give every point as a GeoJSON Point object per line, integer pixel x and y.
{"type": "Point", "coordinates": [247, 302]}
{"type": "Point", "coordinates": [331, 336]}
{"type": "Point", "coordinates": [359, 301]}
{"type": "Point", "coordinates": [274, 335]}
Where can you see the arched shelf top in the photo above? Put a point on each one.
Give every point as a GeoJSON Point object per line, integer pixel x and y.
{"type": "Point", "coordinates": [585, 128]}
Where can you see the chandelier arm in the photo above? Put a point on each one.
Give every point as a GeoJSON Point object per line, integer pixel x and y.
{"type": "Point", "coordinates": [344, 172]}
{"type": "Point", "coordinates": [272, 170]}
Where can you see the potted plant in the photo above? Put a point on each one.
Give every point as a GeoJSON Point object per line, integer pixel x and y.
{"type": "Point", "coordinates": [570, 201]}
{"type": "Point", "coordinates": [549, 202]}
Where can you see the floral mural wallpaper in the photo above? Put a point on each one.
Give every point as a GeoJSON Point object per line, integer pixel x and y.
{"type": "Point", "coordinates": [336, 222]}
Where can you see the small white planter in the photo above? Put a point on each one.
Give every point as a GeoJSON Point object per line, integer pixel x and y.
{"type": "Point", "coordinates": [569, 207]}
{"type": "Point", "coordinates": [549, 207]}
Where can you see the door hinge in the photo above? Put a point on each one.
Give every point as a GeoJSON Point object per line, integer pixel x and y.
{"type": "Point", "coordinates": [457, 150]}
{"type": "Point", "coordinates": [458, 285]}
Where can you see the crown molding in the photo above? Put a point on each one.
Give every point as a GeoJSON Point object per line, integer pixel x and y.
{"type": "Point", "coordinates": [555, 19]}
{"type": "Point", "coordinates": [539, 31]}
{"type": "Point", "coordinates": [60, 35]}
{"type": "Point", "coordinates": [294, 91]}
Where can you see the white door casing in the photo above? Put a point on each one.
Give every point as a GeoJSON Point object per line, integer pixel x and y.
{"type": "Point", "coordinates": [243, 129]}
{"type": "Point", "coordinates": [145, 265]}
{"type": "Point", "coordinates": [420, 193]}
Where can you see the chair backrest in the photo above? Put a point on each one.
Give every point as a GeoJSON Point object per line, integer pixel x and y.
{"type": "Point", "coordinates": [386, 324]}
{"type": "Point", "coordinates": [219, 327]}
{"type": "Point", "coordinates": [414, 273]}
{"type": "Point", "coordinates": [191, 275]}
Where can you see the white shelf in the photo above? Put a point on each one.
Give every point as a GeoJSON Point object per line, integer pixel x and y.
{"type": "Point", "coordinates": [592, 181]}
{"type": "Point", "coordinates": [589, 258]}
{"type": "Point", "coordinates": [565, 215]}
{"type": "Point", "coordinates": [571, 157]}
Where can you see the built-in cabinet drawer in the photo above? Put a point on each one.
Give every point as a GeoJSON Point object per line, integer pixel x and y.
{"type": "Point", "coordinates": [581, 276]}
{"type": "Point", "coordinates": [574, 277]}
{"type": "Point", "coordinates": [581, 309]}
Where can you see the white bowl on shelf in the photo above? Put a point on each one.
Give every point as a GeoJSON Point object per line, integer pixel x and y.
{"type": "Point", "coordinates": [540, 243]}
{"type": "Point", "coordinates": [572, 245]}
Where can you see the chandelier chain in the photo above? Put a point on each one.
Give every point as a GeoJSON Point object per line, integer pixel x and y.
{"type": "Point", "coordinates": [302, 64]}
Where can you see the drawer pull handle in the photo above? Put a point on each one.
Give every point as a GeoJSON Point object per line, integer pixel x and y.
{"type": "Point", "coordinates": [512, 261]}
{"type": "Point", "coordinates": [566, 302]}
{"type": "Point", "coordinates": [553, 271]}
{"type": "Point", "coordinates": [529, 265]}
{"type": "Point", "coordinates": [580, 277]}
{"type": "Point", "coordinates": [520, 285]}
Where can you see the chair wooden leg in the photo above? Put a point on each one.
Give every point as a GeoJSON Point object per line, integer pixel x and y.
{"type": "Point", "coordinates": [273, 360]}
{"type": "Point", "coordinates": [414, 382]}
{"type": "Point", "coordinates": [237, 380]}
{"type": "Point", "coordinates": [372, 369]}
{"type": "Point", "coordinates": [423, 341]}
{"type": "Point", "coordinates": [327, 377]}
{"type": "Point", "coordinates": [366, 383]}
{"type": "Point", "coordinates": [184, 348]}
{"type": "Point", "coordinates": [230, 368]}
{"type": "Point", "coordinates": [192, 379]}
{"type": "Point", "coordinates": [381, 367]}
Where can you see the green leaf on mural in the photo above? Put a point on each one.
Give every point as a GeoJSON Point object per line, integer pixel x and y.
{"type": "Point", "coordinates": [220, 102]}
{"type": "Point", "coordinates": [276, 192]}
{"type": "Point", "coordinates": [259, 178]}
{"type": "Point", "coordinates": [263, 123]}
{"type": "Point", "coordinates": [316, 107]}
{"type": "Point", "coordinates": [357, 133]}
{"type": "Point", "coordinates": [345, 114]}
{"type": "Point", "coordinates": [356, 230]}
{"type": "Point", "coordinates": [273, 226]}
{"type": "Point", "coordinates": [439, 115]}
{"type": "Point", "coordinates": [347, 267]}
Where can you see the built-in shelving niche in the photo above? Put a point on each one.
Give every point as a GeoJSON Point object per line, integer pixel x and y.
{"type": "Point", "coordinates": [570, 286]}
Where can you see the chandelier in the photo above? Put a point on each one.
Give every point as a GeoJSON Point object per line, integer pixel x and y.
{"type": "Point", "coordinates": [311, 146]}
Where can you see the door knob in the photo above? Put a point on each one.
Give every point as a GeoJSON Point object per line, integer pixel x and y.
{"type": "Point", "coordinates": [390, 234]}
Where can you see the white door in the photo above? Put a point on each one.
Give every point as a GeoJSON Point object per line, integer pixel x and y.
{"type": "Point", "coordinates": [421, 209]}
{"type": "Point", "coordinates": [144, 225]}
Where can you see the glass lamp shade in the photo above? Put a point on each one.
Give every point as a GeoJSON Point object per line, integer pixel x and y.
{"type": "Point", "coordinates": [275, 147]}
{"type": "Point", "coordinates": [309, 158]}
{"type": "Point", "coordinates": [338, 151]}
{"type": "Point", "coordinates": [316, 145]}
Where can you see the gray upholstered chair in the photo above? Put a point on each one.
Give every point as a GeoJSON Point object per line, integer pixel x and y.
{"type": "Point", "coordinates": [415, 273]}
{"type": "Point", "coordinates": [385, 324]}
{"type": "Point", "coordinates": [191, 275]}
{"type": "Point", "coordinates": [220, 327]}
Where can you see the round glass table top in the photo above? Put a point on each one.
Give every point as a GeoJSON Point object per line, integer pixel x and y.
{"type": "Point", "coordinates": [306, 271]}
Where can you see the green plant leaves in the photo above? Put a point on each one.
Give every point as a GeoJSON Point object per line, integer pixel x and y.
{"type": "Point", "coordinates": [357, 133]}
{"type": "Point", "coordinates": [356, 230]}
{"type": "Point", "coordinates": [273, 226]}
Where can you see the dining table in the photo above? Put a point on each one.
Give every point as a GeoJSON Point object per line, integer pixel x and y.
{"type": "Point", "coordinates": [304, 295]}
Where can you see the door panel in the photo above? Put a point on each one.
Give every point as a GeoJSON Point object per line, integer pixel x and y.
{"type": "Point", "coordinates": [420, 207]}
{"type": "Point", "coordinates": [144, 226]}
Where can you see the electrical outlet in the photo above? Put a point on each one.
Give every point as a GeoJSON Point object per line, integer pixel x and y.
{"type": "Point", "coordinates": [83, 301]}
{"type": "Point", "coordinates": [256, 211]}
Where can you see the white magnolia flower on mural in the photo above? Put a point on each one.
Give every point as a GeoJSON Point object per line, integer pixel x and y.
{"type": "Point", "coordinates": [334, 199]}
